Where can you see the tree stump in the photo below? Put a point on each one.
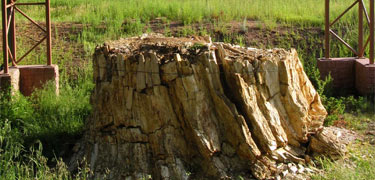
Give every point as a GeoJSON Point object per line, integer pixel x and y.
{"type": "Point", "coordinates": [180, 108]}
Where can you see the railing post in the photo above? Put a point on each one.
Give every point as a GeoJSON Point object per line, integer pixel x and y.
{"type": "Point", "coordinates": [327, 27]}
{"type": "Point", "coordinates": [12, 36]}
{"type": "Point", "coordinates": [360, 29]}
{"type": "Point", "coordinates": [49, 37]}
{"type": "Point", "coordinates": [372, 23]}
{"type": "Point", "coordinates": [5, 36]}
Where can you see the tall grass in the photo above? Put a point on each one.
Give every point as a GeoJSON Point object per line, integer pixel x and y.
{"type": "Point", "coordinates": [307, 12]}
{"type": "Point", "coordinates": [17, 162]}
{"type": "Point", "coordinates": [111, 15]}
{"type": "Point", "coordinates": [56, 121]}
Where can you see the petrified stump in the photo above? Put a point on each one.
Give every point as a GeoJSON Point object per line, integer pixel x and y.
{"type": "Point", "coordinates": [171, 108]}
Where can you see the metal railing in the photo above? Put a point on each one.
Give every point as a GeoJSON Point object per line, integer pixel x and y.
{"type": "Point", "coordinates": [9, 7]}
{"type": "Point", "coordinates": [361, 45]}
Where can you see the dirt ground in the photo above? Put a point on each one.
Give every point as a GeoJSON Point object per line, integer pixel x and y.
{"type": "Point", "coordinates": [253, 33]}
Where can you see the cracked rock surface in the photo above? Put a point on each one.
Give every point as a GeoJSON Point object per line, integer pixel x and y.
{"type": "Point", "coordinates": [185, 108]}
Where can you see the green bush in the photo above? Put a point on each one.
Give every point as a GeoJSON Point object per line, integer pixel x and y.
{"type": "Point", "coordinates": [334, 107]}
{"type": "Point", "coordinates": [337, 106]}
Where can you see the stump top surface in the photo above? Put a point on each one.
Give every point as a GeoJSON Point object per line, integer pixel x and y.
{"type": "Point", "coordinates": [187, 47]}
{"type": "Point", "coordinates": [155, 40]}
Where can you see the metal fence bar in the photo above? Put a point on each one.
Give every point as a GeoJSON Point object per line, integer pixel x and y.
{"type": "Point", "coordinates": [13, 47]}
{"type": "Point", "coordinates": [28, 52]}
{"type": "Point", "coordinates": [342, 14]}
{"type": "Point", "coordinates": [5, 35]}
{"type": "Point", "coordinates": [342, 41]}
{"type": "Point", "coordinates": [9, 31]}
{"type": "Point", "coordinates": [366, 44]}
{"type": "Point", "coordinates": [9, 20]}
{"type": "Point", "coordinates": [10, 55]}
{"type": "Point", "coordinates": [49, 37]}
{"type": "Point", "coordinates": [366, 13]}
{"type": "Point", "coordinates": [327, 34]}
{"type": "Point", "coordinates": [372, 32]}
{"type": "Point", "coordinates": [362, 13]}
{"type": "Point", "coordinates": [360, 29]}
{"type": "Point", "coordinates": [27, 4]}
{"type": "Point", "coordinates": [29, 18]}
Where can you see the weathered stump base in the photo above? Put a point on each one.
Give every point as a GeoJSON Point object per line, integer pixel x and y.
{"type": "Point", "coordinates": [180, 108]}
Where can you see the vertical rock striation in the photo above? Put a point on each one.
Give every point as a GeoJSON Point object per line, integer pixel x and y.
{"type": "Point", "coordinates": [178, 107]}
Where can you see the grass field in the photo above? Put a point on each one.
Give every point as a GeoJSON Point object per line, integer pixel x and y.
{"type": "Point", "coordinates": [55, 122]}
{"type": "Point", "coordinates": [112, 14]}
{"type": "Point", "coordinates": [308, 12]}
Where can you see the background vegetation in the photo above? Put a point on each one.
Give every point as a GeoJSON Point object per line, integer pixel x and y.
{"type": "Point", "coordinates": [37, 131]}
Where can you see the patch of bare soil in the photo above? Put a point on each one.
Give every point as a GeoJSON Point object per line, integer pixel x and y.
{"type": "Point", "coordinates": [250, 33]}
{"type": "Point", "coordinates": [65, 48]}
{"type": "Point", "coordinates": [28, 33]}
{"type": "Point", "coordinates": [253, 33]}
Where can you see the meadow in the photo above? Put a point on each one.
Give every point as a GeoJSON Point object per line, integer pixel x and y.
{"type": "Point", "coordinates": [112, 14]}
{"type": "Point", "coordinates": [37, 133]}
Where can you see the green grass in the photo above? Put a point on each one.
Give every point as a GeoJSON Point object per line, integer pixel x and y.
{"type": "Point", "coordinates": [359, 165]}
{"type": "Point", "coordinates": [112, 14]}
{"type": "Point", "coordinates": [17, 162]}
{"type": "Point", "coordinates": [307, 12]}
{"type": "Point", "coordinates": [36, 130]}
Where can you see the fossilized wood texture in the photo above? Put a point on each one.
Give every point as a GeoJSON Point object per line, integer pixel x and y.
{"type": "Point", "coordinates": [169, 107]}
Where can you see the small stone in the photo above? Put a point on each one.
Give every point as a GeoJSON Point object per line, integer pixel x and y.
{"type": "Point", "coordinates": [278, 177]}
{"type": "Point", "coordinates": [301, 169]}
{"type": "Point", "coordinates": [309, 170]}
{"type": "Point", "coordinates": [284, 173]}
{"type": "Point", "coordinates": [293, 169]}
{"type": "Point", "coordinates": [280, 166]}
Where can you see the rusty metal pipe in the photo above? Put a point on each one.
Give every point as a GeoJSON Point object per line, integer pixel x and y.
{"type": "Point", "coordinates": [360, 29]}
{"type": "Point", "coordinates": [10, 4]}
{"type": "Point", "coordinates": [11, 57]}
{"type": "Point", "coordinates": [10, 29]}
{"type": "Point", "coordinates": [372, 23]}
{"type": "Point", "coordinates": [28, 52]}
{"type": "Point", "coordinates": [343, 41]}
{"type": "Point", "coordinates": [9, 20]}
{"type": "Point", "coordinates": [49, 37]}
{"type": "Point", "coordinates": [5, 36]}
{"type": "Point", "coordinates": [366, 44]}
{"type": "Point", "coordinates": [342, 14]}
{"type": "Point", "coordinates": [29, 18]}
{"type": "Point", "coordinates": [327, 25]}
{"type": "Point", "coordinates": [13, 37]}
{"type": "Point", "coordinates": [23, 4]}
{"type": "Point", "coordinates": [366, 13]}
